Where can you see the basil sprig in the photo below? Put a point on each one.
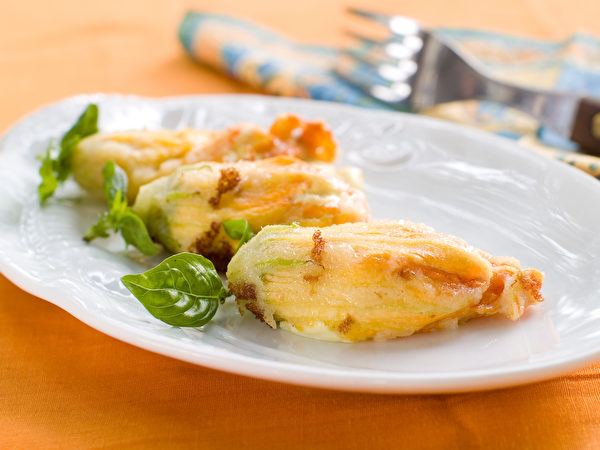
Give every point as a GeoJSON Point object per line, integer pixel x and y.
{"type": "Point", "coordinates": [119, 216]}
{"type": "Point", "coordinates": [184, 290]}
{"type": "Point", "coordinates": [56, 162]}
{"type": "Point", "coordinates": [238, 229]}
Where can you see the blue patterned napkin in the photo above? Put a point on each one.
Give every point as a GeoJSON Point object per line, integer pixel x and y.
{"type": "Point", "coordinates": [276, 65]}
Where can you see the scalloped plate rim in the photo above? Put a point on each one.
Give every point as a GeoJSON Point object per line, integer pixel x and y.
{"type": "Point", "coordinates": [358, 380]}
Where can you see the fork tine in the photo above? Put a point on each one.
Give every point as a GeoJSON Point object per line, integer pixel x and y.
{"type": "Point", "coordinates": [352, 67]}
{"type": "Point", "coordinates": [368, 48]}
{"type": "Point", "coordinates": [383, 19]}
{"type": "Point", "coordinates": [361, 37]}
{"type": "Point", "coordinates": [368, 79]}
{"type": "Point", "coordinates": [382, 69]}
{"type": "Point", "coordinates": [371, 56]}
{"type": "Point", "coordinates": [387, 50]}
{"type": "Point", "coordinates": [398, 25]}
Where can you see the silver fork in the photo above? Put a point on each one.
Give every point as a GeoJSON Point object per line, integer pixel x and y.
{"type": "Point", "coordinates": [414, 69]}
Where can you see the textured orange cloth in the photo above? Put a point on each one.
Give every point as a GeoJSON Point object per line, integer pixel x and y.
{"type": "Point", "coordinates": [63, 384]}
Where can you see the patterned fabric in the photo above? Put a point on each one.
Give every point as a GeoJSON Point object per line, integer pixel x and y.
{"type": "Point", "coordinates": [279, 66]}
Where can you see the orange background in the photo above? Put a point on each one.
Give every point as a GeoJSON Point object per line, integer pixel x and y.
{"type": "Point", "coordinates": [63, 384]}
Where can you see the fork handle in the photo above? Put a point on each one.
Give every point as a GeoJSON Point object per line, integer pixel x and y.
{"type": "Point", "coordinates": [575, 117]}
{"type": "Point", "coordinates": [586, 126]}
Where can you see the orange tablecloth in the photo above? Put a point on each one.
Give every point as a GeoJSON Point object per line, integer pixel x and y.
{"type": "Point", "coordinates": [63, 384]}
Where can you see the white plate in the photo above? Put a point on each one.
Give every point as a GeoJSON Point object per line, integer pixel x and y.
{"type": "Point", "coordinates": [494, 194]}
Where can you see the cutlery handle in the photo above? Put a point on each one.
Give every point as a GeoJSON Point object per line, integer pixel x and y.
{"type": "Point", "coordinates": [574, 116]}
{"type": "Point", "coordinates": [586, 126]}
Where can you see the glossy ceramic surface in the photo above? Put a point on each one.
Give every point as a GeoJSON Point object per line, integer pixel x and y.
{"type": "Point", "coordinates": [497, 196]}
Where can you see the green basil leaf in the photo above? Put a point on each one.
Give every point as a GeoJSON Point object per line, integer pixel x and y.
{"type": "Point", "coordinates": [135, 233]}
{"type": "Point", "coordinates": [117, 207]}
{"type": "Point", "coordinates": [115, 180]}
{"type": "Point", "coordinates": [184, 290]}
{"type": "Point", "coordinates": [86, 124]}
{"type": "Point", "coordinates": [120, 217]}
{"type": "Point", "coordinates": [99, 229]}
{"type": "Point", "coordinates": [238, 229]}
{"type": "Point", "coordinates": [49, 182]}
{"type": "Point", "coordinates": [62, 166]}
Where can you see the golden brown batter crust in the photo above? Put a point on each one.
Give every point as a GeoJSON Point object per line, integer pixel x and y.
{"type": "Point", "coordinates": [381, 280]}
{"type": "Point", "coordinates": [230, 178]}
{"type": "Point", "coordinates": [318, 246]}
{"type": "Point", "coordinates": [344, 327]}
